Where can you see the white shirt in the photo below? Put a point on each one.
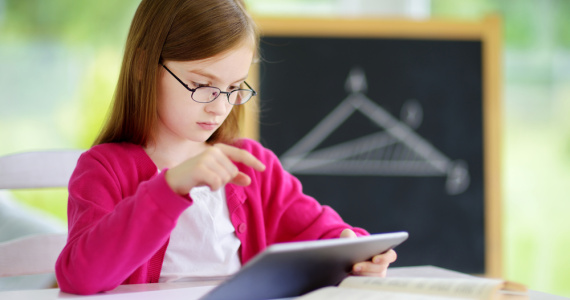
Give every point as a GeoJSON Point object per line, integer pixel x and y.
{"type": "Point", "coordinates": [203, 245]}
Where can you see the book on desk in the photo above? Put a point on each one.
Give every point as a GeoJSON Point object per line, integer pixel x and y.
{"type": "Point", "coordinates": [419, 288]}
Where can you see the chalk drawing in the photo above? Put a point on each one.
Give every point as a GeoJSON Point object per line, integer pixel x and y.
{"type": "Point", "coordinates": [395, 150]}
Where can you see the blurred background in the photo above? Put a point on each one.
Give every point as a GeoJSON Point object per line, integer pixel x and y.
{"type": "Point", "coordinates": [59, 61]}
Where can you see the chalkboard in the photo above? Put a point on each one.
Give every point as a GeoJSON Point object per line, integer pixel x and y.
{"type": "Point", "coordinates": [390, 130]}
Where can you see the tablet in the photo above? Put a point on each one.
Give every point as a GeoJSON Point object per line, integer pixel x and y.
{"type": "Point", "coordinates": [293, 269]}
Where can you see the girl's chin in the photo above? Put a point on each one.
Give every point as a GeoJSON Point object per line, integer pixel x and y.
{"type": "Point", "coordinates": [202, 138]}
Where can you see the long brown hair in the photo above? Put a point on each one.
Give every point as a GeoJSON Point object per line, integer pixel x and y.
{"type": "Point", "coordinates": [179, 30]}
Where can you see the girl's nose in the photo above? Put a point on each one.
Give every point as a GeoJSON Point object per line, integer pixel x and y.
{"type": "Point", "coordinates": [219, 106]}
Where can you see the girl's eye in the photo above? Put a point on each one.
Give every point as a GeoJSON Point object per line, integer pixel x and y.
{"type": "Point", "coordinates": [236, 87]}
{"type": "Point", "coordinates": [199, 84]}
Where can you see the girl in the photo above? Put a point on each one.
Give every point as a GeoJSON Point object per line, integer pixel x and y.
{"type": "Point", "coordinates": [168, 193]}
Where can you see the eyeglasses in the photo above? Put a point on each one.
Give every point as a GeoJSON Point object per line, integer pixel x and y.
{"type": "Point", "coordinates": [207, 94]}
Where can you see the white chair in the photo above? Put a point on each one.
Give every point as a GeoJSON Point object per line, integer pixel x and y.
{"type": "Point", "coordinates": [35, 253]}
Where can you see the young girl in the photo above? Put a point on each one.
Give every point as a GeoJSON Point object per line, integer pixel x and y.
{"type": "Point", "coordinates": [168, 192]}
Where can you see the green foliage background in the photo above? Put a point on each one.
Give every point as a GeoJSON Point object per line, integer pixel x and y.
{"type": "Point", "coordinates": [60, 60]}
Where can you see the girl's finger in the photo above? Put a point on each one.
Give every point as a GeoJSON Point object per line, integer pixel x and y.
{"type": "Point", "coordinates": [241, 179]}
{"type": "Point", "coordinates": [385, 258]}
{"type": "Point", "coordinates": [227, 170]}
{"type": "Point", "coordinates": [369, 268]}
{"type": "Point", "coordinates": [241, 156]}
{"type": "Point", "coordinates": [380, 274]}
{"type": "Point", "coordinates": [224, 162]}
{"type": "Point", "coordinates": [348, 233]}
{"type": "Point", "coordinates": [211, 179]}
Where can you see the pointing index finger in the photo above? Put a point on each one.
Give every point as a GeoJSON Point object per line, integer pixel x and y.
{"type": "Point", "coordinates": [241, 156]}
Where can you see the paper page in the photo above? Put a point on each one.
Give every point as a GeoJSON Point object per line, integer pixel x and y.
{"type": "Point", "coordinates": [335, 293]}
{"type": "Point", "coordinates": [457, 287]}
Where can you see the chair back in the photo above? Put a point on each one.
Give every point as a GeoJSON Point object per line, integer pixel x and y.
{"type": "Point", "coordinates": [42, 169]}
{"type": "Point", "coordinates": [36, 253]}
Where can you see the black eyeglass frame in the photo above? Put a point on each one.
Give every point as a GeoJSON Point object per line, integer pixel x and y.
{"type": "Point", "coordinates": [254, 93]}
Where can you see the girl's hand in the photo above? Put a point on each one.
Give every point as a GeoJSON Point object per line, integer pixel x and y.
{"type": "Point", "coordinates": [377, 266]}
{"type": "Point", "coordinates": [214, 168]}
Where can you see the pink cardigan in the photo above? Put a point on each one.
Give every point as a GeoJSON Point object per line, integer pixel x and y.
{"type": "Point", "coordinates": [121, 213]}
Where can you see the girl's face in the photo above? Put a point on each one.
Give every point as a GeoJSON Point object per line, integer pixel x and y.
{"type": "Point", "coordinates": [181, 119]}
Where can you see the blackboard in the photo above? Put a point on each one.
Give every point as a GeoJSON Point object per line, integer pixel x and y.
{"type": "Point", "coordinates": [391, 131]}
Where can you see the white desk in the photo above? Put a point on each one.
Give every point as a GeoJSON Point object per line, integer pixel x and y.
{"type": "Point", "coordinates": [190, 291]}
{"type": "Point", "coordinates": [162, 291]}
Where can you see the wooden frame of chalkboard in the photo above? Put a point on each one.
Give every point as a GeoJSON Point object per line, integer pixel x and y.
{"type": "Point", "coordinates": [487, 32]}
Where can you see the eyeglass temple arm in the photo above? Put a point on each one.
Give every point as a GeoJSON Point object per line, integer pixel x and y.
{"type": "Point", "coordinates": [254, 92]}
{"type": "Point", "coordinates": [178, 79]}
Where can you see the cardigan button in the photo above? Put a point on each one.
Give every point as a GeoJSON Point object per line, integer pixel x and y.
{"type": "Point", "coordinates": [241, 228]}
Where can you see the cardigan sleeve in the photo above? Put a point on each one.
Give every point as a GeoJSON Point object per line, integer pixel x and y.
{"type": "Point", "coordinates": [289, 214]}
{"type": "Point", "coordinates": [112, 234]}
